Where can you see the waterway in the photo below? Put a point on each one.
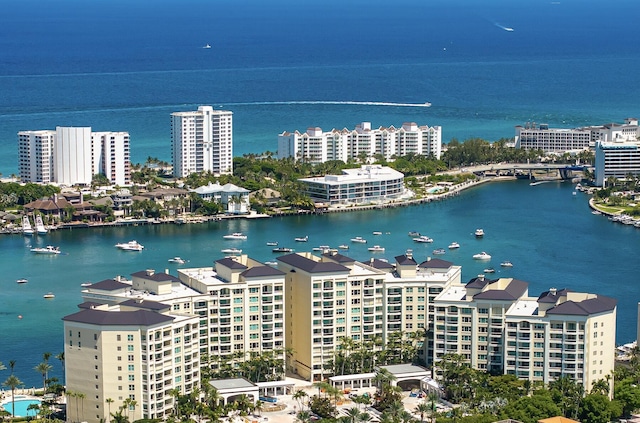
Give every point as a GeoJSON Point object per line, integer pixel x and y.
{"type": "Point", "coordinates": [548, 234]}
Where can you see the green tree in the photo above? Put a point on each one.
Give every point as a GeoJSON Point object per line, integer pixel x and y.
{"type": "Point", "coordinates": [596, 408]}
{"type": "Point", "coordinates": [12, 382]}
{"type": "Point", "coordinates": [44, 368]}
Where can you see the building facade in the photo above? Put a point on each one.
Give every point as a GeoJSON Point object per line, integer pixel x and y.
{"type": "Point", "coordinates": [234, 199]}
{"type": "Point", "coordinates": [616, 160]}
{"type": "Point", "coordinates": [316, 146]}
{"type": "Point", "coordinates": [368, 184]}
{"type": "Point", "coordinates": [202, 141]}
{"type": "Point", "coordinates": [73, 155]}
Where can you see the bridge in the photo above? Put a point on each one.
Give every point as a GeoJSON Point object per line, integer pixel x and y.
{"type": "Point", "coordinates": [526, 170]}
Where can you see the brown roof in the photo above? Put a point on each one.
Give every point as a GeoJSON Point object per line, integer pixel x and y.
{"type": "Point", "coordinates": [311, 266]}
{"type": "Point", "coordinates": [118, 318]}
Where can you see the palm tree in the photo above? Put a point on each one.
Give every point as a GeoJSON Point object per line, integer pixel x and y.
{"type": "Point", "coordinates": [352, 414]}
{"type": "Point", "coordinates": [299, 396]}
{"type": "Point", "coordinates": [109, 401]}
{"type": "Point", "coordinates": [43, 368]}
{"type": "Point", "coordinates": [422, 409]}
{"type": "Point", "coordinates": [12, 382]}
{"type": "Point", "coordinates": [82, 397]}
{"type": "Point", "coordinates": [303, 417]}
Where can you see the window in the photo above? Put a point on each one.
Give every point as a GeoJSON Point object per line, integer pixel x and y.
{"type": "Point", "coordinates": [130, 338]}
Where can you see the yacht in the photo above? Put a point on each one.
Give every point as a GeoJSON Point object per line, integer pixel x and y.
{"type": "Point", "coordinates": [302, 239]}
{"type": "Point", "coordinates": [40, 226]}
{"type": "Point", "coordinates": [235, 235]}
{"type": "Point", "coordinates": [376, 249]}
{"type": "Point", "coordinates": [282, 250]}
{"type": "Point", "coordinates": [321, 248]}
{"type": "Point", "coordinates": [22, 280]}
{"type": "Point", "coordinates": [479, 233]}
{"type": "Point", "coordinates": [48, 296]}
{"type": "Point", "coordinates": [86, 284]}
{"type": "Point", "coordinates": [359, 239]}
{"type": "Point", "coordinates": [377, 233]}
{"type": "Point", "coordinates": [454, 245]}
{"type": "Point", "coordinates": [489, 270]}
{"type": "Point", "coordinates": [177, 260]}
{"type": "Point", "coordinates": [272, 243]}
{"type": "Point", "coordinates": [49, 249]}
{"type": "Point", "coordinates": [271, 263]}
{"type": "Point", "coordinates": [439, 251]}
{"type": "Point", "coordinates": [206, 46]}
{"type": "Point", "coordinates": [482, 256]}
{"type": "Point", "coordinates": [231, 251]}
{"type": "Point", "coordinates": [343, 246]}
{"type": "Point", "coordinates": [506, 263]}
{"type": "Point", "coordinates": [130, 246]}
{"type": "Point", "coordinates": [423, 239]}
{"type": "Point", "coordinates": [27, 229]}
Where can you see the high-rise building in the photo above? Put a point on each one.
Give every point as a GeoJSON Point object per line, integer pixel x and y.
{"type": "Point", "coordinates": [202, 141]}
{"type": "Point", "coordinates": [73, 155]}
{"type": "Point", "coordinates": [315, 146]}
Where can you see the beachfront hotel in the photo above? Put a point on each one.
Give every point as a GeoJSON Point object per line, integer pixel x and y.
{"type": "Point", "coordinates": [202, 141]}
{"type": "Point", "coordinates": [143, 337]}
{"type": "Point", "coordinates": [534, 136]}
{"type": "Point", "coordinates": [496, 326]}
{"type": "Point", "coordinates": [73, 155]}
{"type": "Point", "coordinates": [315, 146]}
{"type": "Point", "coordinates": [367, 184]}
{"type": "Point", "coordinates": [617, 159]}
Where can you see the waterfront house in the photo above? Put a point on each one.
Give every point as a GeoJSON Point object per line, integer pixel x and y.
{"type": "Point", "coordinates": [234, 199]}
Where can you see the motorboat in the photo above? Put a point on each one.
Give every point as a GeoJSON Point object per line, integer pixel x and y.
{"type": "Point", "coordinates": [454, 245]}
{"type": "Point", "coordinates": [343, 246]}
{"type": "Point", "coordinates": [489, 270]}
{"type": "Point", "coordinates": [272, 243]}
{"type": "Point", "coordinates": [49, 249]}
{"type": "Point", "coordinates": [271, 263]}
{"type": "Point", "coordinates": [414, 233]}
{"type": "Point", "coordinates": [506, 263]}
{"type": "Point", "coordinates": [439, 251]}
{"type": "Point", "coordinates": [130, 246]}
{"type": "Point", "coordinates": [177, 260]}
{"type": "Point", "coordinates": [235, 235]}
{"type": "Point", "coordinates": [231, 251]}
{"type": "Point", "coordinates": [321, 248]}
{"type": "Point", "coordinates": [206, 46]}
{"type": "Point", "coordinates": [40, 229]}
{"type": "Point", "coordinates": [359, 239]}
{"type": "Point", "coordinates": [376, 249]}
{"type": "Point", "coordinates": [482, 256]}
{"type": "Point", "coordinates": [22, 280]}
{"type": "Point", "coordinates": [423, 239]}
{"type": "Point", "coordinates": [377, 233]}
{"type": "Point", "coordinates": [48, 296]}
{"type": "Point", "coordinates": [282, 250]}
{"type": "Point", "coordinates": [86, 284]}
{"type": "Point", "coordinates": [479, 233]}
{"type": "Point", "coordinates": [302, 239]}
{"type": "Point", "coordinates": [27, 229]}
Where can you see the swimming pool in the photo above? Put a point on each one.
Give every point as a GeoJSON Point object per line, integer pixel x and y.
{"type": "Point", "coordinates": [21, 406]}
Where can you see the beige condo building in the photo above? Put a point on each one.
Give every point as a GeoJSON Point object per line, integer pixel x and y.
{"type": "Point", "coordinates": [497, 327]}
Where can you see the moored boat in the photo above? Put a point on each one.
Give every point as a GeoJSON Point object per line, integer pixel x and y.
{"type": "Point", "coordinates": [479, 233]}
{"type": "Point", "coordinates": [359, 239]}
{"type": "Point", "coordinates": [506, 263]}
{"type": "Point", "coordinates": [40, 229]}
{"type": "Point", "coordinates": [22, 280]}
{"type": "Point", "coordinates": [132, 245]}
{"type": "Point", "coordinates": [272, 243]}
{"type": "Point", "coordinates": [49, 249]}
{"type": "Point", "coordinates": [439, 251]}
{"type": "Point", "coordinates": [454, 245]}
{"type": "Point", "coordinates": [423, 239]}
{"type": "Point", "coordinates": [343, 246]}
{"type": "Point", "coordinates": [27, 229]}
{"type": "Point", "coordinates": [235, 235]}
{"type": "Point", "coordinates": [231, 251]}
{"type": "Point", "coordinates": [282, 250]}
{"type": "Point", "coordinates": [489, 270]}
{"type": "Point", "coordinates": [48, 296]}
{"type": "Point", "coordinates": [302, 238]}
{"type": "Point", "coordinates": [376, 249]}
{"type": "Point", "coordinates": [377, 233]}
{"type": "Point", "coordinates": [177, 260]}
{"type": "Point", "coordinates": [482, 256]}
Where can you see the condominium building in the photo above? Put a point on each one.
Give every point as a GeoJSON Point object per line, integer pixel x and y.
{"type": "Point", "coordinates": [73, 155]}
{"type": "Point", "coordinates": [316, 146]}
{"type": "Point", "coordinates": [368, 184]}
{"type": "Point", "coordinates": [558, 140]}
{"type": "Point", "coordinates": [331, 297]}
{"type": "Point", "coordinates": [616, 160]}
{"type": "Point", "coordinates": [497, 327]}
{"type": "Point", "coordinates": [202, 141]}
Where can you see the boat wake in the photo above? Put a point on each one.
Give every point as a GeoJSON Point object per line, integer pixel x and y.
{"type": "Point", "coordinates": [533, 184]}
{"type": "Point", "coordinates": [356, 103]}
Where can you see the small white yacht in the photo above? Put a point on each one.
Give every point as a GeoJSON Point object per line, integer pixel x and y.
{"type": "Point", "coordinates": [272, 243]}
{"type": "Point", "coordinates": [48, 296]}
{"type": "Point", "coordinates": [177, 260]}
{"type": "Point", "coordinates": [454, 245]}
{"type": "Point", "coordinates": [343, 246]}
{"type": "Point", "coordinates": [130, 246]}
{"type": "Point", "coordinates": [377, 233]}
{"type": "Point", "coordinates": [479, 233]}
{"type": "Point", "coordinates": [376, 249]}
{"type": "Point", "coordinates": [482, 256]}
{"type": "Point", "coordinates": [439, 251]}
{"type": "Point", "coordinates": [206, 46]}
{"type": "Point", "coordinates": [302, 238]}
{"type": "Point", "coordinates": [235, 235]}
{"type": "Point", "coordinates": [489, 270]}
{"type": "Point", "coordinates": [49, 249]}
{"type": "Point", "coordinates": [423, 239]}
{"type": "Point", "coordinates": [359, 239]}
{"type": "Point", "coordinates": [231, 251]}
{"type": "Point", "coordinates": [506, 263]}
{"type": "Point", "coordinates": [22, 280]}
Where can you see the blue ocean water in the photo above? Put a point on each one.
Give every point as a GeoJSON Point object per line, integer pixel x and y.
{"type": "Point", "coordinates": [126, 65]}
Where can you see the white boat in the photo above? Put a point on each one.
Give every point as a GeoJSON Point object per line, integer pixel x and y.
{"type": "Point", "coordinates": [454, 245]}
{"type": "Point", "coordinates": [177, 260]}
{"type": "Point", "coordinates": [479, 232]}
{"type": "Point", "coordinates": [376, 249]}
{"type": "Point", "coordinates": [27, 229]}
{"type": "Point", "coordinates": [359, 239]}
{"type": "Point", "coordinates": [302, 239]}
{"type": "Point", "coordinates": [271, 263]}
{"type": "Point", "coordinates": [439, 251]}
{"type": "Point", "coordinates": [596, 212]}
{"type": "Point", "coordinates": [86, 284]}
{"type": "Point", "coordinates": [482, 256]}
{"type": "Point", "coordinates": [48, 296]}
{"type": "Point", "coordinates": [22, 280]}
{"type": "Point", "coordinates": [343, 246]}
{"type": "Point", "coordinates": [489, 270]}
{"type": "Point", "coordinates": [49, 249]}
{"type": "Point", "coordinates": [130, 246]}
{"type": "Point", "coordinates": [235, 235]}
{"type": "Point", "coordinates": [206, 46]}
{"type": "Point", "coordinates": [321, 248]}
{"type": "Point", "coordinates": [231, 251]}
{"type": "Point", "coordinates": [423, 239]}
{"type": "Point", "coordinates": [377, 233]}
{"type": "Point", "coordinates": [282, 250]}
{"type": "Point", "coordinates": [40, 226]}
{"type": "Point", "coordinates": [272, 243]}
{"type": "Point", "coordinates": [506, 263]}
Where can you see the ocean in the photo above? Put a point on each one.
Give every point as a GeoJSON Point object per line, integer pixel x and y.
{"type": "Point", "coordinates": [287, 65]}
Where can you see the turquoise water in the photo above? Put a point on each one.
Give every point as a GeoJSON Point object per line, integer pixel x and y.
{"type": "Point", "coordinates": [548, 234]}
{"type": "Point", "coordinates": [21, 407]}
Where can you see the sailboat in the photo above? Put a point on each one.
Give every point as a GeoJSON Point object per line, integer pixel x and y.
{"type": "Point", "coordinates": [40, 226]}
{"type": "Point", "coordinates": [26, 226]}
